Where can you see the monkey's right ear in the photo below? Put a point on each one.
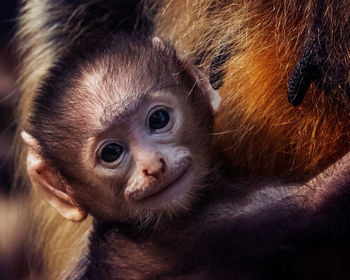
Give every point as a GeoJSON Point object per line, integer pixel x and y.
{"type": "Point", "coordinates": [203, 83]}
{"type": "Point", "coordinates": [157, 42]}
{"type": "Point", "coordinates": [47, 183]}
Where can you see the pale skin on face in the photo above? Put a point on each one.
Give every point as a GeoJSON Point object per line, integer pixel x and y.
{"type": "Point", "coordinates": [130, 167]}
{"type": "Point", "coordinates": [151, 160]}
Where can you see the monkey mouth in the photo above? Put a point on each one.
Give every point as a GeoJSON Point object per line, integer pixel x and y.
{"type": "Point", "coordinates": [169, 191]}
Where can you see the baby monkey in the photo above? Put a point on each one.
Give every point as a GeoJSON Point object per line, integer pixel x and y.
{"type": "Point", "coordinates": [120, 130]}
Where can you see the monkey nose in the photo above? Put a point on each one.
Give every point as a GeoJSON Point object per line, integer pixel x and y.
{"type": "Point", "coordinates": [155, 169]}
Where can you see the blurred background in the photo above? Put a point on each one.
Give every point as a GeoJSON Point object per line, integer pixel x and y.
{"type": "Point", "coordinates": [8, 93]}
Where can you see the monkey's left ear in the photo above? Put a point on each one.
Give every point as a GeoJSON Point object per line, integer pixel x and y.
{"type": "Point", "coordinates": [47, 182]}
{"type": "Point", "coordinates": [203, 83]}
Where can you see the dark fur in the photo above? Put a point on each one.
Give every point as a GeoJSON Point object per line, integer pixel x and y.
{"type": "Point", "coordinates": [226, 235]}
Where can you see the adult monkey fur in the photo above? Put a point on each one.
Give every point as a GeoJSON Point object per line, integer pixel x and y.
{"type": "Point", "coordinates": [273, 45]}
{"type": "Point", "coordinates": [263, 53]}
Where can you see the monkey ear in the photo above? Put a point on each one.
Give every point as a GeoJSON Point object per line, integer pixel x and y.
{"type": "Point", "coordinates": [157, 42]}
{"type": "Point", "coordinates": [46, 182]}
{"type": "Point", "coordinates": [203, 83]}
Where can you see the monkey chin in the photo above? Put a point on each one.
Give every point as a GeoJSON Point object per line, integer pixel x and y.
{"type": "Point", "coordinates": [170, 201]}
{"type": "Point", "coordinates": [174, 192]}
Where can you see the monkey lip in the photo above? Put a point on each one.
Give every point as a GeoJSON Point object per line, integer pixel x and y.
{"type": "Point", "coordinates": [168, 190]}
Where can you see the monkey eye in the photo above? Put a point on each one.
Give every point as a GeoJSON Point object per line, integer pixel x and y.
{"type": "Point", "coordinates": [111, 152]}
{"type": "Point", "coordinates": [158, 119]}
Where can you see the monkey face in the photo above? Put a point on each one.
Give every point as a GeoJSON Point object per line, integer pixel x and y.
{"type": "Point", "coordinates": [147, 157]}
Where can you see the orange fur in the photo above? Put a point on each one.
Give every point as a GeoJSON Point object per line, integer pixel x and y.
{"type": "Point", "coordinates": [257, 129]}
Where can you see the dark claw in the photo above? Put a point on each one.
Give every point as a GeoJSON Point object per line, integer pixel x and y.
{"type": "Point", "coordinates": [216, 75]}
{"type": "Point", "coordinates": [308, 68]}
{"type": "Point", "coordinates": [303, 74]}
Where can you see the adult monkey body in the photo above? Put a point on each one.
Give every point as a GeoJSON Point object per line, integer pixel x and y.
{"type": "Point", "coordinates": [44, 56]}
{"type": "Point", "coordinates": [272, 46]}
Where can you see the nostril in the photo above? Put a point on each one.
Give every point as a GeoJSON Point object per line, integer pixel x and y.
{"type": "Point", "coordinates": [162, 169]}
{"type": "Point", "coordinates": [150, 174]}
{"type": "Point", "coordinates": [155, 173]}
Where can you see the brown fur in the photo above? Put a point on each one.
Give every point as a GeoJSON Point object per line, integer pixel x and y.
{"type": "Point", "coordinates": [257, 128]}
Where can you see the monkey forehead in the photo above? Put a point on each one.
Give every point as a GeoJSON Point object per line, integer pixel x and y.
{"type": "Point", "coordinates": [166, 95]}
{"type": "Point", "coordinates": [107, 79]}
{"type": "Point", "coordinates": [107, 98]}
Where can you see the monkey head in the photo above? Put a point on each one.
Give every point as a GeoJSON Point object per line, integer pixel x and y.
{"type": "Point", "coordinates": [121, 131]}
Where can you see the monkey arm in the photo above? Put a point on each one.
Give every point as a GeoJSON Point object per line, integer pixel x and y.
{"type": "Point", "coordinates": [225, 234]}
{"type": "Point", "coordinates": [278, 217]}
